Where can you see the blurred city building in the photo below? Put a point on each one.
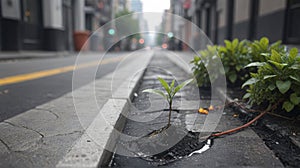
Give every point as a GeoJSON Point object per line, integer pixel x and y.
{"type": "Point", "coordinates": [243, 19]}
{"type": "Point", "coordinates": [119, 5]}
{"type": "Point", "coordinates": [50, 25]}
{"type": "Point", "coordinates": [179, 28]}
{"type": "Point", "coordinates": [135, 5]}
{"type": "Point", "coordinates": [166, 41]}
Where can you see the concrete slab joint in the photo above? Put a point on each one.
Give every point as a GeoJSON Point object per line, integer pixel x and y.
{"type": "Point", "coordinates": [94, 148]}
{"type": "Point", "coordinates": [99, 139]}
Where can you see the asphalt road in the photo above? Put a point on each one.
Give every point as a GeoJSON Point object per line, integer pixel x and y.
{"type": "Point", "coordinates": [21, 96]}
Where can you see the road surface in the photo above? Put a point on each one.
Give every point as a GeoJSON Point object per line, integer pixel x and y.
{"type": "Point", "coordinates": [25, 84]}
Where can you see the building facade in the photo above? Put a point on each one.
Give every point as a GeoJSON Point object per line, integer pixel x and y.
{"type": "Point", "coordinates": [245, 19]}
{"type": "Point", "coordinates": [135, 5]}
{"type": "Point", "coordinates": [179, 27]}
{"type": "Point", "coordinates": [48, 25]}
{"type": "Point", "coordinates": [34, 25]}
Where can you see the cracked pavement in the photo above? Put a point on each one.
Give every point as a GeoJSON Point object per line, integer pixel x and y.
{"type": "Point", "coordinates": [40, 136]}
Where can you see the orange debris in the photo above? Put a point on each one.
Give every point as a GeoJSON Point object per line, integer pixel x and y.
{"type": "Point", "coordinates": [203, 111]}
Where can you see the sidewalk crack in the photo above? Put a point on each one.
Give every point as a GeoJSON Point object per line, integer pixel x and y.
{"type": "Point", "coordinates": [22, 126]}
{"type": "Point", "coordinates": [68, 133]}
{"type": "Point", "coordinates": [5, 144]}
{"type": "Point", "coordinates": [49, 111]}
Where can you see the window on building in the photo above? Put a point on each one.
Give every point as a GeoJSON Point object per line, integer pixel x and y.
{"type": "Point", "coordinates": [31, 11]}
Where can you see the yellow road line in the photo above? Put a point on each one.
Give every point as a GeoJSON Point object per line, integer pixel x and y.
{"type": "Point", "coordinates": [50, 72]}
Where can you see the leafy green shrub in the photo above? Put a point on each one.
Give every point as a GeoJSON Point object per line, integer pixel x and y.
{"type": "Point", "coordinates": [203, 63]}
{"type": "Point", "coordinates": [234, 56]}
{"type": "Point", "coordinates": [278, 78]}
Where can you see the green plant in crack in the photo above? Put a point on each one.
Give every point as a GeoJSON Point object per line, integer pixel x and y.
{"type": "Point", "coordinates": [278, 78]}
{"type": "Point", "coordinates": [171, 90]}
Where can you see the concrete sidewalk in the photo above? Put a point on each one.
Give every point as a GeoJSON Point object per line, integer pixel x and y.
{"type": "Point", "coordinates": [41, 137]}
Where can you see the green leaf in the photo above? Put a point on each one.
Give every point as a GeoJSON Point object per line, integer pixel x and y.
{"type": "Point", "coordinates": [226, 69]}
{"type": "Point", "coordinates": [269, 76]}
{"type": "Point", "coordinates": [155, 91]}
{"type": "Point", "coordinates": [228, 44]}
{"type": "Point", "coordinates": [264, 42]}
{"type": "Point", "coordinates": [296, 78]}
{"type": "Point", "coordinates": [294, 99]}
{"type": "Point", "coordinates": [265, 56]}
{"type": "Point", "coordinates": [242, 45]}
{"type": "Point", "coordinates": [247, 95]}
{"type": "Point", "coordinates": [295, 67]}
{"type": "Point", "coordinates": [238, 68]}
{"type": "Point", "coordinates": [269, 68]}
{"type": "Point", "coordinates": [172, 84]}
{"type": "Point", "coordinates": [255, 48]}
{"type": "Point", "coordinates": [250, 82]}
{"type": "Point", "coordinates": [232, 77]}
{"type": "Point", "coordinates": [212, 49]}
{"type": "Point", "coordinates": [283, 86]}
{"type": "Point", "coordinates": [222, 49]}
{"type": "Point", "coordinates": [164, 84]}
{"type": "Point", "coordinates": [196, 59]}
{"type": "Point", "coordinates": [276, 44]}
{"type": "Point", "coordinates": [183, 84]}
{"type": "Point", "coordinates": [271, 87]}
{"type": "Point", "coordinates": [275, 56]}
{"type": "Point", "coordinates": [278, 65]}
{"type": "Point", "coordinates": [293, 53]}
{"type": "Point", "coordinates": [255, 64]}
{"type": "Point", "coordinates": [288, 106]}
{"type": "Point", "coordinates": [235, 43]}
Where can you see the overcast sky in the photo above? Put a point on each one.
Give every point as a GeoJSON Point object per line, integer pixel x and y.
{"type": "Point", "coordinates": [155, 5]}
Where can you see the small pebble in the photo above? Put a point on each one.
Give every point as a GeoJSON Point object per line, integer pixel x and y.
{"type": "Point", "coordinates": [277, 143]}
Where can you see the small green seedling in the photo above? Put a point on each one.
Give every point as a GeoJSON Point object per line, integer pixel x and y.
{"type": "Point", "coordinates": [171, 91]}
